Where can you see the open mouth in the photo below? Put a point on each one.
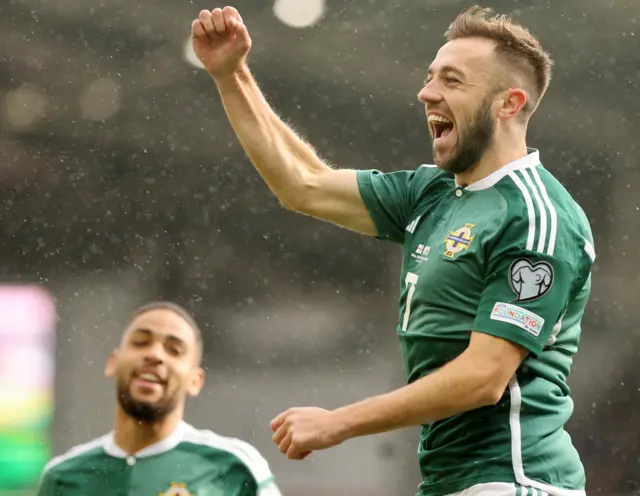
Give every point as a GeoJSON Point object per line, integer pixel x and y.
{"type": "Point", "coordinates": [149, 379]}
{"type": "Point", "coordinates": [441, 127]}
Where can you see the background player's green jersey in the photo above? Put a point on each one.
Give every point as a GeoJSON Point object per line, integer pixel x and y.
{"type": "Point", "coordinates": [188, 463]}
{"type": "Point", "coordinates": [511, 256]}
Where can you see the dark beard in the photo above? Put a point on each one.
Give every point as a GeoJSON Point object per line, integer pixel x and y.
{"type": "Point", "coordinates": [475, 141]}
{"type": "Point", "coordinates": [142, 411]}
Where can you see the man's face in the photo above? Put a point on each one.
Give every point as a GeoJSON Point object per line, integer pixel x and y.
{"type": "Point", "coordinates": [156, 366]}
{"type": "Point", "coordinates": [459, 95]}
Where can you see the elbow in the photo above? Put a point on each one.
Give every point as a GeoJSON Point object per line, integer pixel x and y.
{"type": "Point", "coordinates": [491, 375]}
{"type": "Point", "coordinates": [301, 194]}
{"type": "Point", "coordinates": [491, 391]}
{"type": "Point", "coordinates": [289, 203]}
{"type": "Point", "coordinates": [294, 202]}
{"type": "Point", "coordinates": [491, 396]}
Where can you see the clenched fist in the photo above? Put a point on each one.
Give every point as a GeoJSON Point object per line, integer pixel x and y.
{"type": "Point", "coordinates": [300, 431]}
{"type": "Point", "coordinates": [220, 40]}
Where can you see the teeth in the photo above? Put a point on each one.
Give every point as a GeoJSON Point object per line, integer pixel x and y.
{"type": "Point", "coordinates": [149, 377]}
{"type": "Point", "coordinates": [438, 118]}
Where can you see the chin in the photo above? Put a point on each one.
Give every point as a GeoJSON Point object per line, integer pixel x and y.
{"type": "Point", "coordinates": [146, 400]}
{"type": "Point", "coordinates": [441, 160]}
{"type": "Point", "coordinates": [442, 153]}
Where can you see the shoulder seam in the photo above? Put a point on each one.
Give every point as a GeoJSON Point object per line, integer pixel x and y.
{"type": "Point", "coordinates": [242, 450]}
{"type": "Point", "coordinates": [74, 452]}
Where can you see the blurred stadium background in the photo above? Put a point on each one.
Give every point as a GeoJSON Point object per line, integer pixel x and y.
{"type": "Point", "coordinates": [121, 182]}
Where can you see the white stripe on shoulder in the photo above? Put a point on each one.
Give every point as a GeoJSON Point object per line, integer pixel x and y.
{"type": "Point", "coordinates": [530, 210]}
{"type": "Point", "coordinates": [413, 224]}
{"type": "Point", "coordinates": [541, 208]}
{"type": "Point", "coordinates": [249, 455]}
{"type": "Point", "coordinates": [75, 452]}
{"type": "Point", "coordinates": [590, 250]}
{"type": "Point", "coordinates": [552, 212]}
{"type": "Point", "coordinates": [429, 166]}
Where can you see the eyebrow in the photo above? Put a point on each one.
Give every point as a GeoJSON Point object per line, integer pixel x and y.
{"type": "Point", "coordinates": [149, 332]}
{"type": "Point", "coordinates": [445, 68]}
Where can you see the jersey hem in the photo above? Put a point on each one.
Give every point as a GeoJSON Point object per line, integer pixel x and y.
{"type": "Point", "coordinates": [447, 488]}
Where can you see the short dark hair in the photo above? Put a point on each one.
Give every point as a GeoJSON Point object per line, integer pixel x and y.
{"type": "Point", "coordinates": [181, 312]}
{"type": "Point", "coordinates": [515, 45]}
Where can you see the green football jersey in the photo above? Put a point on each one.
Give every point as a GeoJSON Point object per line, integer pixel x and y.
{"type": "Point", "coordinates": [510, 256]}
{"type": "Point", "coordinates": [188, 463]}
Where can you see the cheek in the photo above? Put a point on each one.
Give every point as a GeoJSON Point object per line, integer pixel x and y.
{"type": "Point", "coordinates": [178, 379]}
{"type": "Point", "coordinates": [463, 123]}
{"type": "Point", "coordinates": [124, 367]}
{"type": "Point", "coordinates": [123, 373]}
{"type": "Point", "coordinates": [460, 116]}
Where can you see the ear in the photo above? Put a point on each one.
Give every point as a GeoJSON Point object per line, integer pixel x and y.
{"type": "Point", "coordinates": [196, 382]}
{"type": "Point", "coordinates": [110, 369]}
{"type": "Point", "coordinates": [512, 103]}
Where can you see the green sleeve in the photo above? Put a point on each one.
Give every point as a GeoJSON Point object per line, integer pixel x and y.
{"type": "Point", "coordinates": [525, 296]}
{"type": "Point", "coordinates": [254, 476]}
{"type": "Point", "coordinates": [388, 197]}
{"type": "Point", "coordinates": [47, 485]}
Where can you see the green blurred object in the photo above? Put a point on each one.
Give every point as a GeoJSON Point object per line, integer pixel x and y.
{"type": "Point", "coordinates": [27, 365]}
{"type": "Point", "coordinates": [23, 455]}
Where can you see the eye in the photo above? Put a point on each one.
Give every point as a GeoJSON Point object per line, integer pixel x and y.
{"type": "Point", "coordinates": [451, 80]}
{"type": "Point", "coordinates": [175, 350]}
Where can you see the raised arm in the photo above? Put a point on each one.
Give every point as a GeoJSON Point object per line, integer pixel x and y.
{"type": "Point", "coordinates": [293, 171]}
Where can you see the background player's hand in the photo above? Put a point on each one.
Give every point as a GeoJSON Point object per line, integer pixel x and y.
{"type": "Point", "coordinates": [299, 431]}
{"type": "Point", "coordinates": [220, 40]}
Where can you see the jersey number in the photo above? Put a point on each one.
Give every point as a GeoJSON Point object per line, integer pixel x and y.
{"type": "Point", "coordinates": [410, 280]}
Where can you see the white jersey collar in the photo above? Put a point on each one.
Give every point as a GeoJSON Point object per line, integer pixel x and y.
{"type": "Point", "coordinates": [167, 444]}
{"type": "Point", "coordinates": [532, 159]}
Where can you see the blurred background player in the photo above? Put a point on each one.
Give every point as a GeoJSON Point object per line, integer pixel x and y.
{"type": "Point", "coordinates": [151, 449]}
{"type": "Point", "coordinates": [496, 269]}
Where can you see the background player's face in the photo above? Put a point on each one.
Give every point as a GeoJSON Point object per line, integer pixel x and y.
{"type": "Point", "coordinates": [156, 366]}
{"type": "Point", "coordinates": [459, 98]}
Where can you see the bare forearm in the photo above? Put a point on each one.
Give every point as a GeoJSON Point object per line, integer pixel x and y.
{"type": "Point", "coordinates": [286, 163]}
{"type": "Point", "coordinates": [449, 391]}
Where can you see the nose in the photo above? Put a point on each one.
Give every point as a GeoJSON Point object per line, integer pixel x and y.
{"type": "Point", "coordinates": [430, 94]}
{"type": "Point", "coordinates": [154, 353]}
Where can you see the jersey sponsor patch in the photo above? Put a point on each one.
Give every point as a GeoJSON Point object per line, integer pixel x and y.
{"type": "Point", "coordinates": [421, 253]}
{"type": "Point", "coordinates": [518, 316]}
{"type": "Point", "coordinates": [458, 240]}
{"type": "Point", "coordinates": [530, 281]}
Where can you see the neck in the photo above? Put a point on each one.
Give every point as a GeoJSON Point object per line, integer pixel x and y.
{"type": "Point", "coordinates": [505, 149]}
{"type": "Point", "coordinates": [132, 435]}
